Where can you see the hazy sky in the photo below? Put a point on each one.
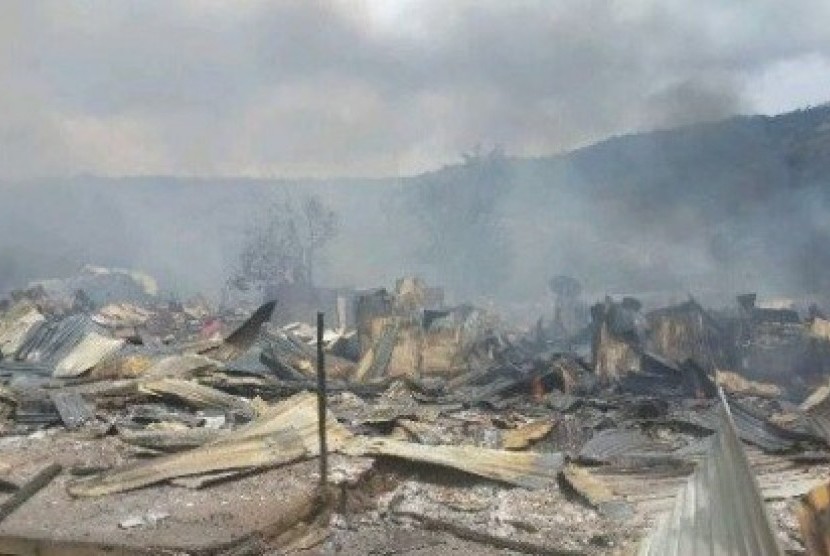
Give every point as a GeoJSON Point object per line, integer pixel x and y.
{"type": "Point", "coordinates": [380, 87]}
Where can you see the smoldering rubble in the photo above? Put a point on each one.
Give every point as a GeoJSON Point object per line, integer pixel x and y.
{"type": "Point", "coordinates": [145, 426]}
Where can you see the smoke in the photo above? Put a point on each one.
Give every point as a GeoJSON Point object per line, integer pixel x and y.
{"type": "Point", "coordinates": [715, 208]}
{"type": "Point", "coordinates": [313, 88]}
{"type": "Point", "coordinates": [695, 101]}
{"type": "Point", "coordinates": [373, 88]}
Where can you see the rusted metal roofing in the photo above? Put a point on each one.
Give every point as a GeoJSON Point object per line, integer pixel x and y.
{"type": "Point", "coordinates": [814, 520]}
{"type": "Point", "coordinates": [719, 510]}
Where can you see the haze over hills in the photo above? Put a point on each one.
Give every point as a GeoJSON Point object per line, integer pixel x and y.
{"type": "Point", "coordinates": [727, 206]}
{"type": "Point", "coordinates": [736, 204]}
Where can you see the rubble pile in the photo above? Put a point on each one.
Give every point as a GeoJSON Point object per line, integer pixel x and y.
{"type": "Point", "coordinates": [151, 426]}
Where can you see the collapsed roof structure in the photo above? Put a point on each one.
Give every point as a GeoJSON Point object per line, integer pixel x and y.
{"type": "Point", "coordinates": [148, 427]}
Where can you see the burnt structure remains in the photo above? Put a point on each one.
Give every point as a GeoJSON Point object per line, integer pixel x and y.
{"type": "Point", "coordinates": [134, 422]}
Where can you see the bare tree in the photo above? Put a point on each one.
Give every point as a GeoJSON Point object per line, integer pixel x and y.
{"type": "Point", "coordinates": [320, 227]}
{"type": "Point", "coordinates": [282, 245]}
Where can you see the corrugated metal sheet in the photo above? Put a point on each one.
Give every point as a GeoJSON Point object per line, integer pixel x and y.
{"type": "Point", "coordinates": [36, 411]}
{"type": "Point", "coordinates": [288, 431]}
{"type": "Point", "coordinates": [102, 285]}
{"type": "Point", "coordinates": [817, 410]}
{"type": "Point", "coordinates": [16, 325]}
{"type": "Point", "coordinates": [90, 351]}
{"type": "Point", "coordinates": [73, 343]}
{"type": "Point", "coordinates": [10, 368]}
{"type": "Point", "coordinates": [73, 409]}
{"type": "Point", "coordinates": [779, 477]}
{"type": "Point", "coordinates": [609, 444]}
{"type": "Point", "coordinates": [241, 339]}
{"type": "Point", "coordinates": [198, 395]}
{"type": "Point", "coordinates": [751, 427]}
{"type": "Point", "coordinates": [54, 339]}
{"type": "Point", "coordinates": [174, 440]}
{"type": "Point", "coordinates": [527, 469]}
{"type": "Point", "coordinates": [719, 510]}
{"type": "Point", "coordinates": [283, 433]}
{"type": "Point", "coordinates": [181, 366]}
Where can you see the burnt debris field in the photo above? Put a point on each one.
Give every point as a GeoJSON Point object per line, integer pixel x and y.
{"type": "Point", "coordinates": [140, 425]}
{"type": "Point", "coordinates": [414, 278]}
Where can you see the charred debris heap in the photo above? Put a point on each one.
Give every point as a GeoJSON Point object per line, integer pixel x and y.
{"type": "Point", "coordinates": [147, 427]}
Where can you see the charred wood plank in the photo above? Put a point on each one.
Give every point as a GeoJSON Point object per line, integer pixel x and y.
{"type": "Point", "coordinates": [29, 489]}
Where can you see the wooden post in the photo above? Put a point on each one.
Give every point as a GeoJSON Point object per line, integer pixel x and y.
{"type": "Point", "coordinates": [321, 402]}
